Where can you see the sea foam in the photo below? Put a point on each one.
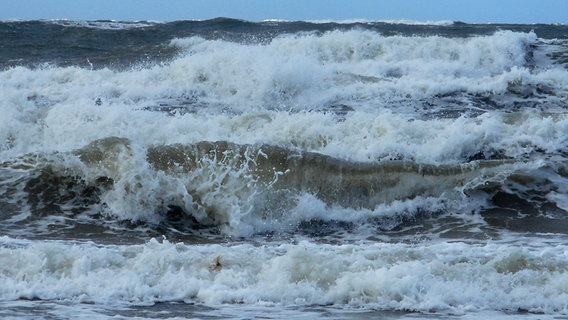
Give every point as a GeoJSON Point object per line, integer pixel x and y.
{"type": "Point", "coordinates": [443, 277]}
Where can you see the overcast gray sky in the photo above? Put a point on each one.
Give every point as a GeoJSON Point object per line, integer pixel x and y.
{"type": "Point", "coordinates": [480, 11]}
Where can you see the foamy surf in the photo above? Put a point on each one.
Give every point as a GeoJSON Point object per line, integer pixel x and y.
{"type": "Point", "coordinates": [444, 277]}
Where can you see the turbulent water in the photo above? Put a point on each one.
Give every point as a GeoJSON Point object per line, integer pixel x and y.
{"type": "Point", "coordinates": [224, 168]}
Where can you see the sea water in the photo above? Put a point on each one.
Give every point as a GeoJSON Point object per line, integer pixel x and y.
{"type": "Point", "coordinates": [225, 168]}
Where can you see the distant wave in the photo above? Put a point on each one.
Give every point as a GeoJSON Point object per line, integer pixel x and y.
{"type": "Point", "coordinates": [105, 24]}
{"type": "Point", "coordinates": [400, 21]}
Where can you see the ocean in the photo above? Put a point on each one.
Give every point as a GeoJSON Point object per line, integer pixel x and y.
{"type": "Point", "coordinates": [283, 169]}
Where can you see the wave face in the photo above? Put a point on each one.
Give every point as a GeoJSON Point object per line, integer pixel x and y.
{"type": "Point", "coordinates": [373, 167]}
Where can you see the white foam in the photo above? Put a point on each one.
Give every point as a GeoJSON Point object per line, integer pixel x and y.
{"type": "Point", "coordinates": [360, 62]}
{"type": "Point", "coordinates": [362, 136]}
{"type": "Point", "coordinates": [400, 21]}
{"type": "Point", "coordinates": [418, 22]}
{"type": "Point", "coordinates": [433, 277]}
{"type": "Point", "coordinates": [361, 68]}
{"type": "Point", "coordinates": [301, 71]}
{"type": "Point", "coordinates": [104, 24]}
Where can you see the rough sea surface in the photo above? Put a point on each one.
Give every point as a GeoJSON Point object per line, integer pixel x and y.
{"type": "Point", "coordinates": [230, 169]}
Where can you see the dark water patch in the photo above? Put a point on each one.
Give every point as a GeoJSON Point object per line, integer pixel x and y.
{"type": "Point", "coordinates": [514, 202]}
{"type": "Point", "coordinates": [41, 309]}
{"type": "Point", "coordinates": [515, 213]}
{"type": "Point", "coordinates": [321, 228]}
{"type": "Point", "coordinates": [33, 43]}
{"type": "Point", "coordinates": [424, 225]}
{"type": "Point", "coordinates": [173, 110]}
{"type": "Point", "coordinates": [48, 192]}
{"type": "Point", "coordinates": [560, 54]}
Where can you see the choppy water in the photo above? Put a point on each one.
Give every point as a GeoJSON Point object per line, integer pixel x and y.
{"type": "Point", "coordinates": [223, 168]}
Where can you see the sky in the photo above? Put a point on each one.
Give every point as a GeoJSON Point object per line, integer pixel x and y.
{"type": "Point", "coordinates": [470, 11]}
